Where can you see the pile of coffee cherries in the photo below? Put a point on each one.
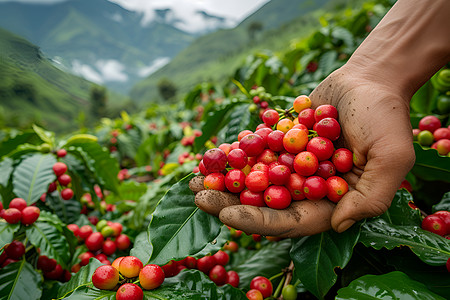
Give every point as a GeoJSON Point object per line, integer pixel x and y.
{"type": "Point", "coordinates": [285, 159]}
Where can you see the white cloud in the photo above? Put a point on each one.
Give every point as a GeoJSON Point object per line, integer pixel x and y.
{"type": "Point", "coordinates": [111, 70]}
{"type": "Point", "coordinates": [86, 71]}
{"type": "Point", "coordinates": [154, 66]}
{"type": "Point", "coordinates": [103, 71]}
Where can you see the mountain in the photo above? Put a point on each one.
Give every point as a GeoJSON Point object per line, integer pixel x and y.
{"type": "Point", "coordinates": [97, 39]}
{"type": "Point", "coordinates": [33, 90]}
{"type": "Point", "coordinates": [216, 55]}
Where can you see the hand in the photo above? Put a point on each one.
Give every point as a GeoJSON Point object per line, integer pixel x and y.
{"type": "Point", "coordinates": [376, 128]}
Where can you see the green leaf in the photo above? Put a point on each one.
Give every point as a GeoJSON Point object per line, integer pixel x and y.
{"type": "Point", "coordinates": [422, 100]}
{"type": "Point", "coordinates": [193, 285]}
{"type": "Point", "coordinates": [216, 244]}
{"type": "Point", "coordinates": [429, 247]}
{"type": "Point", "coordinates": [32, 177]}
{"type": "Point", "coordinates": [240, 119]}
{"type": "Point", "coordinates": [435, 279]}
{"type": "Point", "coordinates": [14, 141]}
{"type": "Point", "coordinates": [7, 232]}
{"type": "Point", "coordinates": [267, 261]}
{"type": "Point", "coordinates": [142, 248]}
{"type": "Point", "coordinates": [430, 165]}
{"type": "Point", "coordinates": [317, 256]}
{"type": "Point", "coordinates": [6, 168]}
{"type": "Point", "coordinates": [400, 213]}
{"type": "Point", "coordinates": [394, 285]}
{"type": "Point", "coordinates": [178, 227]}
{"type": "Point", "coordinates": [46, 136]}
{"type": "Point", "coordinates": [327, 62]}
{"type": "Point", "coordinates": [51, 242]}
{"type": "Point", "coordinates": [444, 204]}
{"type": "Point", "coordinates": [129, 190]}
{"type": "Point", "coordinates": [99, 161]}
{"type": "Point", "coordinates": [20, 281]}
{"type": "Point", "coordinates": [67, 210]}
{"type": "Point", "coordinates": [91, 293]}
{"type": "Point", "coordinates": [214, 122]}
{"type": "Point", "coordinates": [82, 278]}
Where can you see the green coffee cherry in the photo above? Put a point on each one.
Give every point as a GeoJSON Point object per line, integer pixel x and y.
{"type": "Point", "coordinates": [425, 138]}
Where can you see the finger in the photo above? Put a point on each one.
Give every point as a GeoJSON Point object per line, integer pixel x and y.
{"type": "Point", "coordinates": [212, 201]}
{"type": "Point", "coordinates": [196, 183]}
{"type": "Point", "coordinates": [301, 218]}
{"type": "Point", "coordinates": [374, 191]}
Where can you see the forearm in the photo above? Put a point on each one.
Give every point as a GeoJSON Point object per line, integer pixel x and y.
{"type": "Point", "coordinates": [409, 45]}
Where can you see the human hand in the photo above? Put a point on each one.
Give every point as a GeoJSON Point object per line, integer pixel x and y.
{"type": "Point", "coordinates": [375, 127]}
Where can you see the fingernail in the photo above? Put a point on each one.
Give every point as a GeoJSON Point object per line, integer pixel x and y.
{"type": "Point", "coordinates": [346, 224]}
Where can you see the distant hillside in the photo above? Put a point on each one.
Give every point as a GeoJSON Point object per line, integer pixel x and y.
{"type": "Point", "coordinates": [215, 56]}
{"type": "Point", "coordinates": [33, 90]}
{"type": "Point", "coordinates": [97, 39]}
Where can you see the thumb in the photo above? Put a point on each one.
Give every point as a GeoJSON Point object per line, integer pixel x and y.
{"type": "Point", "coordinates": [386, 167]}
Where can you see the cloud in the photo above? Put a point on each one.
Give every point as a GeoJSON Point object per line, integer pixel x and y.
{"type": "Point", "coordinates": [103, 71]}
{"type": "Point", "coordinates": [155, 65]}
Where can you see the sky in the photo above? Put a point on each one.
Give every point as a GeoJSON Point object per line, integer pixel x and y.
{"type": "Point", "coordinates": [237, 9]}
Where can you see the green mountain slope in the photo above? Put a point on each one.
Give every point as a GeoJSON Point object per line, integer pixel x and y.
{"type": "Point", "coordinates": [95, 34]}
{"type": "Point", "coordinates": [33, 90]}
{"type": "Point", "coordinates": [216, 55]}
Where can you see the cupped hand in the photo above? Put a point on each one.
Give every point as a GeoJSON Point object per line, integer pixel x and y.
{"type": "Point", "coordinates": [375, 127]}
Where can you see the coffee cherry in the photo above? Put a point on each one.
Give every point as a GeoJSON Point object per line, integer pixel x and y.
{"type": "Point", "coordinates": [12, 215]}
{"type": "Point", "coordinates": [214, 181]}
{"type": "Point", "coordinates": [321, 147]}
{"type": "Point", "coordinates": [218, 275]}
{"type": "Point", "coordinates": [235, 181]}
{"type": "Point", "coordinates": [343, 160]}
{"type": "Point", "coordinates": [105, 277]}
{"type": "Point", "coordinates": [315, 188]}
{"type": "Point", "coordinates": [328, 128]}
{"type": "Point", "coordinates": [85, 257]}
{"type": "Point", "coordinates": [130, 266]}
{"type": "Point", "coordinates": [206, 263]}
{"type": "Point", "coordinates": [46, 264]}
{"type": "Point", "coordinates": [325, 111]}
{"type": "Point", "coordinates": [434, 224]}
{"type": "Point", "coordinates": [151, 277]}
{"type": "Point", "coordinates": [18, 203]}
{"type": "Point", "coordinates": [85, 231]}
{"type": "Point", "coordinates": [30, 214]}
{"type": "Point", "coordinates": [306, 163]}
{"type": "Point", "coordinates": [109, 247]}
{"type": "Point", "coordinates": [254, 294]}
{"type": "Point", "coordinates": [295, 186]}
{"type": "Point", "coordinates": [64, 179]}
{"type": "Point", "coordinates": [233, 278]}
{"type": "Point", "coordinates": [277, 197]}
{"type": "Point", "coordinates": [262, 284]}
{"type": "Point", "coordinates": [257, 181]}
{"type": "Point", "coordinates": [123, 242]}
{"type": "Point", "coordinates": [94, 241]}
{"type": "Point", "coordinates": [252, 144]}
{"type": "Point", "coordinates": [306, 117]}
{"type": "Point", "coordinates": [129, 291]}
{"type": "Point", "coordinates": [59, 168]}
{"type": "Point", "coordinates": [237, 159]}
{"type": "Point", "coordinates": [215, 160]}
{"type": "Point", "coordinates": [430, 123]}
{"type": "Point", "coordinates": [302, 102]}
{"type": "Point", "coordinates": [248, 197]}
{"type": "Point", "coordinates": [337, 187]}
{"type": "Point", "coordinates": [61, 153]}
{"type": "Point", "coordinates": [221, 257]}
{"type": "Point", "coordinates": [270, 117]}
{"type": "Point", "coordinates": [295, 140]}
{"type": "Point", "coordinates": [67, 193]}
{"type": "Point", "coordinates": [15, 250]}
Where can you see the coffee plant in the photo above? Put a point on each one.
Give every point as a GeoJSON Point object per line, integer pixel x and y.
{"type": "Point", "coordinates": [98, 214]}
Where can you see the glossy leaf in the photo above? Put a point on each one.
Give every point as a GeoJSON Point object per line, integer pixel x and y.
{"type": "Point", "coordinates": [32, 177]}
{"type": "Point", "coordinates": [6, 168]}
{"type": "Point", "coordinates": [436, 279]}
{"type": "Point", "coordinates": [213, 124]}
{"type": "Point", "coordinates": [89, 293]}
{"type": "Point", "coordinates": [400, 212]}
{"type": "Point", "coordinates": [240, 119]}
{"type": "Point", "coordinates": [99, 161]}
{"type": "Point", "coordinates": [430, 165]}
{"type": "Point", "coordinates": [178, 227]}
{"type": "Point", "coordinates": [193, 284]}
{"type": "Point", "coordinates": [14, 141]}
{"type": "Point", "coordinates": [20, 281]}
{"type": "Point", "coordinates": [46, 136]}
{"type": "Point", "coordinates": [81, 278]}
{"type": "Point", "coordinates": [50, 241]}
{"type": "Point", "coordinates": [394, 285]}
{"type": "Point", "coordinates": [444, 204]}
{"type": "Point", "coordinates": [317, 256]}
{"type": "Point", "coordinates": [67, 210]}
{"type": "Point", "coordinates": [216, 244]}
{"type": "Point", "coordinates": [142, 248]}
{"type": "Point", "coordinates": [429, 247]}
{"type": "Point", "coordinates": [7, 232]}
{"type": "Point", "coordinates": [267, 261]}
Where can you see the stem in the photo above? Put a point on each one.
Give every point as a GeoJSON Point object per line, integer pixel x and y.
{"type": "Point", "coordinates": [289, 272]}
{"type": "Point", "coordinates": [280, 286]}
{"type": "Point", "coordinates": [276, 276]}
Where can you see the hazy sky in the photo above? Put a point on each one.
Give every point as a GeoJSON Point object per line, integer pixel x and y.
{"type": "Point", "coordinates": [232, 8]}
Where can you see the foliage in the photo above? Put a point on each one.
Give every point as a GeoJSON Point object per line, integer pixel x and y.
{"type": "Point", "coordinates": [135, 170]}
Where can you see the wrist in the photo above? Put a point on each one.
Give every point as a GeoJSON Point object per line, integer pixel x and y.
{"type": "Point", "coordinates": [408, 46]}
